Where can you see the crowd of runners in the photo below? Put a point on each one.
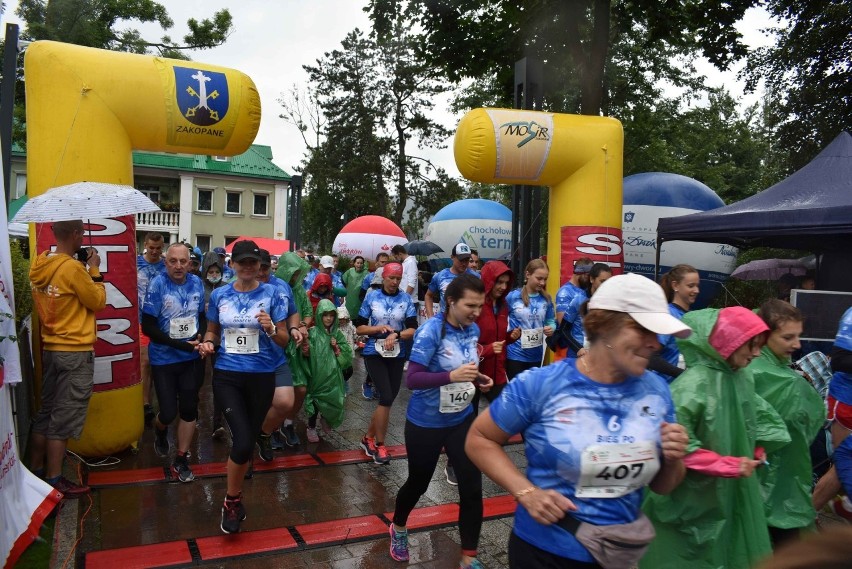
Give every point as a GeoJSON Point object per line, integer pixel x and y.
{"type": "Point", "coordinates": [656, 433]}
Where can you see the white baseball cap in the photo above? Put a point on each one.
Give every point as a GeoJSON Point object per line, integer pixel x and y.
{"type": "Point", "coordinates": [327, 262]}
{"type": "Point", "coordinates": [643, 300]}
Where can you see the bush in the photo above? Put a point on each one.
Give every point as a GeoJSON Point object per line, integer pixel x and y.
{"type": "Point", "coordinates": [21, 278]}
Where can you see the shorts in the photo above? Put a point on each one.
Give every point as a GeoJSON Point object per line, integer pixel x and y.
{"type": "Point", "coordinates": [67, 387]}
{"type": "Point", "coordinates": [840, 412]}
{"type": "Point", "coordinates": [283, 376]}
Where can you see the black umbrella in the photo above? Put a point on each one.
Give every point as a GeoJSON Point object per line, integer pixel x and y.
{"type": "Point", "coordinates": [421, 247]}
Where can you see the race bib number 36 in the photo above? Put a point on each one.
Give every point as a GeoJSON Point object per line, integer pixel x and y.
{"type": "Point", "coordinates": [242, 340]}
{"type": "Point", "coordinates": [613, 471]}
{"type": "Point", "coordinates": [182, 328]}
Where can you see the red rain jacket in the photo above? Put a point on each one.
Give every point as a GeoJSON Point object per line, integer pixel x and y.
{"type": "Point", "coordinates": [492, 327]}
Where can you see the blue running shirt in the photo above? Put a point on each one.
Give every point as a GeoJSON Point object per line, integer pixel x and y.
{"type": "Point", "coordinates": [285, 296]}
{"type": "Point", "coordinates": [438, 285]}
{"type": "Point", "coordinates": [176, 308]}
{"type": "Point", "coordinates": [236, 311]}
{"type": "Point", "coordinates": [381, 309]}
{"type": "Point", "coordinates": [566, 294]}
{"type": "Point", "coordinates": [841, 382]}
{"type": "Point", "coordinates": [670, 353]}
{"type": "Point", "coordinates": [456, 348]}
{"type": "Point", "coordinates": [562, 413]}
{"type": "Point", "coordinates": [537, 315]}
{"type": "Point", "coordinates": [146, 271]}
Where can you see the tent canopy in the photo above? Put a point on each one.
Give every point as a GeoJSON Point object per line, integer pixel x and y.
{"type": "Point", "coordinates": [275, 246]}
{"type": "Point", "coordinates": [810, 210]}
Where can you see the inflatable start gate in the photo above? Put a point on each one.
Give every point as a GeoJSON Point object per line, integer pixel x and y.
{"type": "Point", "coordinates": [87, 110]}
{"type": "Point", "coordinates": [579, 157]}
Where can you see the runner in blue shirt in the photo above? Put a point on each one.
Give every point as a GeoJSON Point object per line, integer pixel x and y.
{"type": "Point", "coordinates": [444, 375]}
{"type": "Point", "coordinates": [531, 313]}
{"type": "Point", "coordinates": [244, 318]}
{"type": "Point", "coordinates": [598, 274]}
{"type": "Point", "coordinates": [388, 317]}
{"type": "Point", "coordinates": [368, 390]}
{"type": "Point", "coordinates": [460, 255]}
{"type": "Point", "coordinates": [148, 265]}
{"type": "Point", "coordinates": [284, 398]}
{"type": "Point", "coordinates": [227, 272]}
{"type": "Point", "coordinates": [597, 430]}
{"type": "Point", "coordinates": [576, 287]}
{"type": "Point", "coordinates": [681, 287]}
{"type": "Point", "coordinates": [173, 318]}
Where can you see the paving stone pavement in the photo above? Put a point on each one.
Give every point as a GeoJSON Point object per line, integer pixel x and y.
{"type": "Point", "coordinates": [141, 514]}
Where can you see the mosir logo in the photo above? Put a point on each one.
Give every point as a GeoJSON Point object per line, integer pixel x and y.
{"type": "Point", "coordinates": [600, 244]}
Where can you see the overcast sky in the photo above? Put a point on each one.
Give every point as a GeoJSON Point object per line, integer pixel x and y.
{"type": "Point", "coordinates": [272, 39]}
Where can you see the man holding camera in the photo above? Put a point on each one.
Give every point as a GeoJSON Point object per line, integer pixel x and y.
{"type": "Point", "coordinates": [67, 290]}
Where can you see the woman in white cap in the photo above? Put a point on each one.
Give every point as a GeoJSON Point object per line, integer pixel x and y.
{"type": "Point", "coordinates": [597, 430]}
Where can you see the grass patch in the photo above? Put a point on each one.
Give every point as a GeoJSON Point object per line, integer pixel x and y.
{"type": "Point", "coordinates": [37, 555]}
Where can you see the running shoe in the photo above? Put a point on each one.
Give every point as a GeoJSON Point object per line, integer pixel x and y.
{"type": "Point", "coordinates": [369, 446]}
{"type": "Point", "coordinates": [474, 564]}
{"type": "Point", "coordinates": [367, 390]}
{"type": "Point", "coordinates": [398, 544]}
{"type": "Point", "coordinates": [161, 442]}
{"type": "Point", "coordinates": [233, 514]}
{"type": "Point", "coordinates": [264, 447]}
{"type": "Point", "coordinates": [277, 441]}
{"type": "Point", "coordinates": [181, 470]}
{"type": "Point", "coordinates": [381, 456]}
{"type": "Point", "coordinates": [450, 473]}
{"type": "Point", "coordinates": [313, 434]}
{"type": "Point", "coordinates": [291, 439]}
{"type": "Point", "coordinates": [70, 490]}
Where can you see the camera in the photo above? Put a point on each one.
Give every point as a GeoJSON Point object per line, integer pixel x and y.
{"type": "Point", "coordinates": [82, 254]}
{"type": "Point", "coordinates": [310, 258]}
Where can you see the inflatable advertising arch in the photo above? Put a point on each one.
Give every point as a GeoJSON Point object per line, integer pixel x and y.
{"type": "Point", "coordinates": [87, 110]}
{"type": "Point", "coordinates": [579, 157]}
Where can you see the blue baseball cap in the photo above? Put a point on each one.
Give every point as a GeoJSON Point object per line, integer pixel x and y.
{"type": "Point", "coordinates": [220, 251]}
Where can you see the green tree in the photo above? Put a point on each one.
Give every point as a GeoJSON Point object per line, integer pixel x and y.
{"type": "Point", "coordinates": [95, 23]}
{"type": "Point", "coordinates": [807, 74]}
{"type": "Point", "coordinates": [574, 38]}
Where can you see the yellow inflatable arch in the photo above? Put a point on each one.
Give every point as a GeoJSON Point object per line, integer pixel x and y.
{"type": "Point", "coordinates": [87, 109]}
{"type": "Point", "coordinates": [579, 157]}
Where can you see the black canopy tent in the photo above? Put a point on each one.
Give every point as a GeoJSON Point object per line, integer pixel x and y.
{"type": "Point", "coordinates": [810, 210]}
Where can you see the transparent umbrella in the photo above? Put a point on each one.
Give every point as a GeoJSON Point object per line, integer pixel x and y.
{"type": "Point", "coordinates": [84, 200]}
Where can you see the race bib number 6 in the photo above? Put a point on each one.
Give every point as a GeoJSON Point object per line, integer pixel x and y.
{"type": "Point", "coordinates": [612, 471]}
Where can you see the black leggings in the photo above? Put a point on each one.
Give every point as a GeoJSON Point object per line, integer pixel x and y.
{"type": "Point", "coordinates": [424, 447]}
{"type": "Point", "coordinates": [514, 367]}
{"type": "Point", "coordinates": [489, 396]}
{"type": "Point", "coordinates": [177, 387]}
{"type": "Point", "coordinates": [244, 399]}
{"type": "Point", "coordinates": [524, 555]}
{"type": "Point", "coordinates": [387, 377]}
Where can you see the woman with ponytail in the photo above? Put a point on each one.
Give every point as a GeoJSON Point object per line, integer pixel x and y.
{"type": "Point", "coordinates": [681, 287]}
{"type": "Point", "coordinates": [531, 319]}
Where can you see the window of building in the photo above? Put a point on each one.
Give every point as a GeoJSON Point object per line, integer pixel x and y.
{"type": "Point", "coordinates": [229, 240]}
{"type": "Point", "coordinates": [20, 185]}
{"type": "Point", "coordinates": [203, 242]}
{"type": "Point", "coordinates": [232, 202]}
{"type": "Point", "coordinates": [151, 192]}
{"type": "Point", "coordinates": [205, 200]}
{"type": "Point", "coordinates": [261, 204]}
{"type": "Point", "coordinates": [220, 158]}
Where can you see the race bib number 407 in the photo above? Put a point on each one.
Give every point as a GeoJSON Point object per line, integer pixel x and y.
{"type": "Point", "coordinates": [613, 471]}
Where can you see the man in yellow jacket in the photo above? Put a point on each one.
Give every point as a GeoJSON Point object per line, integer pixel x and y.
{"type": "Point", "coordinates": [67, 289]}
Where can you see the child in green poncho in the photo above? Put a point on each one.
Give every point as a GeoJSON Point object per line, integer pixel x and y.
{"type": "Point", "coordinates": [326, 355]}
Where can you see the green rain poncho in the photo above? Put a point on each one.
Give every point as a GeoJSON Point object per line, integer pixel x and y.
{"type": "Point", "coordinates": [710, 522]}
{"type": "Point", "coordinates": [786, 482]}
{"type": "Point", "coordinates": [291, 264]}
{"type": "Point", "coordinates": [326, 390]}
{"type": "Point", "coordinates": [353, 280]}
